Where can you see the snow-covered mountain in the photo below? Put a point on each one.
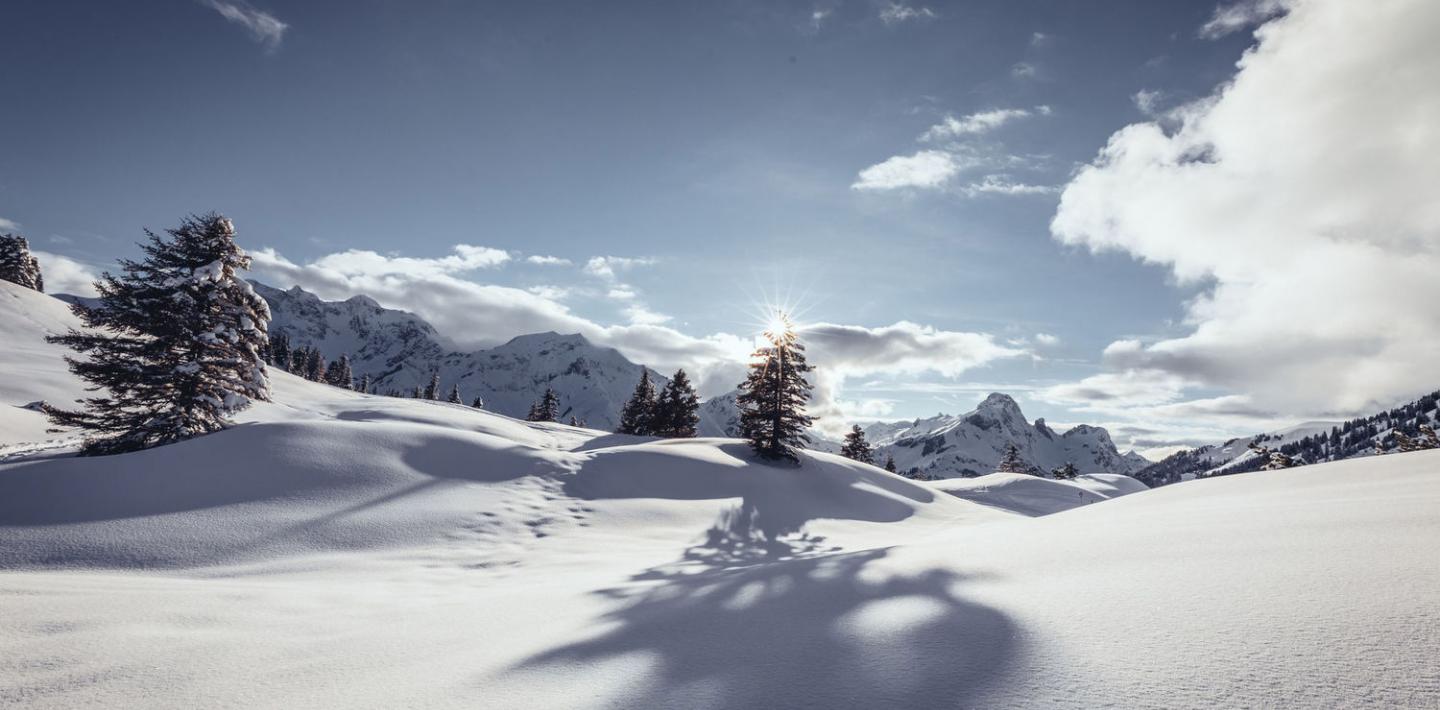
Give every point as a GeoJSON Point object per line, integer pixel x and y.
{"type": "Point", "coordinates": [401, 351]}
{"type": "Point", "coordinates": [972, 444]}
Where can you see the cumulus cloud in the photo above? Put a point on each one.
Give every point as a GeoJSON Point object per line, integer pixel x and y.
{"type": "Point", "coordinates": [1047, 339]}
{"type": "Point", "coordinates": [607, 266]}
{"type": "Point", "coordinates": [263, 27]}
{"type": "Point", "coordinates": [1301, 196]}
{"type": "Point", "coordinates": [895, 13]}
{"type": "Point", "coordinates": [1003, 185]}
{"type": "Point", "coordinates": [543, 260]}
{"type": "Point", "coordinates": [925, 169]}
{"type": "Point", "coordinates": [65, 275]}
{"type": "Point", "coordinates": [1147, 101]}
{"type": "Point", "coordinates": [357, 262]}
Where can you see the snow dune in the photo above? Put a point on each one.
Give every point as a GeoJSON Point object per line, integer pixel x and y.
{"type": "Point", "coordinates": [336, 549]}
{"type": "Point", "coordinates": [1031, 496]}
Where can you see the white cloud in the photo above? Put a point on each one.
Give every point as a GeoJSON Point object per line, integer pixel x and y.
{"type": "Point", "coordinates": [479, 315]}
{"type": "Point", "coordinates": [264, 27]}
{"type": "Point", "coordinates": [1241, 14]}
{"type": "Point", "coordinates": [7, 224]}
{"type": "Point", "coordinates": [1047, 339]}
{"type": "Point", "coordinates": [606, 266]}
{"type": "Point", "coordinates": [1147, 101]}
{"type": "Point", "coordinates": [358, 262]}
{"type": "Point", "coordinates": [896, 13]}
{"type": "Point", "coordinates": [1302, 195]}
{"type": "Point", "coordinates": [1002, 185]}
{"type": "Point", "coordinates": [1024, 70]}
{"type": "Point", "coordinates": [925, 169]}
{"type": "Point", "coordinates": [981, 122]}
{"type": "Point", "coordinates": [1040, 39]}
{"type": "Point", "coordinates": [543, 260]}
{"type": "Point", "coordinates": [818, 17]}
{"type": "Point", "coordinates": [65, 275]}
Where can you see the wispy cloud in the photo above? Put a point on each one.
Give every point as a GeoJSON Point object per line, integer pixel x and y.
{"type": "Point", "coordinates": [263, 27]}
{"type": "Point", "coordinates": [8, 224]}
{"type": "Point", "coordinates": [606, 266]}
{"type": "Point", "coordinates": [981, 122]}
{"type": "Point", "coordinates": [1002, 185]}
{"type": "Point", "coordinates": [1239, 15]}
{"type": "Point", "coordinates": [544, 260]}
{"type": "Point", "coordinates": [927, 168]}
{"type": "Point", "coordinates": [896, 13]}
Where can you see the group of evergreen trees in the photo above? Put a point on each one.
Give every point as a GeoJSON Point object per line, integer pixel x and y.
{"type": "Point", "coordinates": [672, 414]}
{"type": "Point", "coordinates": [309, 363]}
{"type": "Point", "coordinates": [18, 265]}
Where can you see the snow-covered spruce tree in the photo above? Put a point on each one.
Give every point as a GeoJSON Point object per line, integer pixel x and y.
{"type": "Point", "coordinates": [298, 357]}
{"type": "Point", "coordinates": [478, 403]}
{"type": "Point", "coordinates": [856, 448]}
{"type": "Point", "coordinates": [364, 386]}
{"type": "Point", "coordinates": [1011, 461]}
{"type": "Point", "coordinates": [573, 421]}
{"type": "Point", "coordinates": [773, 397]}
{"type": "Point", "coordinates": [18, 265]}
{"type": "Point", "coordinates": [175, 339]}
{"type": "Point", "coordinates": [432, 390]}
{"type": "Point", "coordinates": [454, 397]}
{"type": "Point", "coordinates": [890, 464]}
{"type": "Point", "coordinates": [677, 410]}
{"type": "Point", "coordinates": [1068, 472]}
{"type": "Point", "coordinates": [547, 409]}
{"type": "Point", "coordinates": [338, 373]}
{"type": "Point", "coordinates": [638, 415]}
{"type": "Point", "coordinates": [280, 350]}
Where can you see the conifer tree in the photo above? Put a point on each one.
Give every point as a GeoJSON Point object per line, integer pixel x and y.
{"type": "Point", "coordinates": [314, 365]}
{"type": "Point", "coordinates": [339, 374]}
{"type": "Point", "coordinates": [890, 464]}
{"type": "Point", "coordinates": [454, 397]}
{"type": "Point", "coordinates": [573, 421]}
{"type": "Point", "coordinates": [432, 390]}
{"type": "Point", "coordinates": [1011, 461]}
{"type": "Point", "coordinates": [677, 410]}
{"type": "Point", "coordinates": [478, 402]}
{"type": "Point", "coordinates": [175, 339]}
{"type": "Point", "coordinates": [856, 448]}
{"type": "Point", "coordinates": [1066, 472]}
{"type": "Point", "coordinates": [364, 386]}
{"type": "Point", "coordinates": [547, 409]}
{"type": "Point", "coordinates": [18, 265]}
{"type": "Point", "coordinates": [298, 357]}
{"type": "Point", "coordinates": [637, 417]}
{"type": "Point", "coordinates": [773, 397]}
{"type": "Point", "coordinates": [280, 350]}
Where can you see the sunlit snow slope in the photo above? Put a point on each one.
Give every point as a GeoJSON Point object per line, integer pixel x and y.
{"type": "Point", "coordinates": [336, 549]}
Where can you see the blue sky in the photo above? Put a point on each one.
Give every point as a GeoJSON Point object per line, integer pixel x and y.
{"type": "Point", "coordinates": [719, 150]}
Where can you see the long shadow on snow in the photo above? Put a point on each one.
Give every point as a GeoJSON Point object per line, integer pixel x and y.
{"type": "Point", "coordinates": [746, 620]}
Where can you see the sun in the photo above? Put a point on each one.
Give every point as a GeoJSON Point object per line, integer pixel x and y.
{"type": "Point", "coordinates": [779, 324]}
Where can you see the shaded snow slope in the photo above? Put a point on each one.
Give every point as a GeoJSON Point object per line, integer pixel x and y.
{"type": "Point", "coordinates": [1033, 496]}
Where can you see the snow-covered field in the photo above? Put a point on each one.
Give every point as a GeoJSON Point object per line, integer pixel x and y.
{"type": "Point", "coordinates": [337, 549]}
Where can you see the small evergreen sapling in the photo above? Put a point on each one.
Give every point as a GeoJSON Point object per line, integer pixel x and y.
{"type": "Point", "coordinates": [478, 403]}
{"type": "Point", "coordinates": [454, 397]}
{"type": "Point", "coordinates": [1011, 462]}
{"type": "Point", "coordinates": [175, 339]}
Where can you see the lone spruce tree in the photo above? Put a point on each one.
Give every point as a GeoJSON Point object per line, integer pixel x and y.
{"type": "Point", "coordinates": [677, 410]}
{"type": "Point", "coordinates": [890, 464]}
{"type": "Point", "coordinates": [280, 350]}
{"type": "Point", "coordinates": [175, 339]}
{"type": "Point", "coordinates": [454, 397]}
{"type": "Point", "coordinates": [856, 448]}
{"type": "Point", "coordinates": [637, 417]}
{"type": "Point", "coordinates": [432, 390]}
{"type": "Point", "coordinates": [772, 399]}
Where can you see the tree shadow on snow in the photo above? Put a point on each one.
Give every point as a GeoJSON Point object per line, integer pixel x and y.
{"type": "Point", "coordinates": [758, 616]}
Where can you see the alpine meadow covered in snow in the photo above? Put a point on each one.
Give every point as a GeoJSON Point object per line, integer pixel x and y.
{"type": "Point", "coordinates": [739, 355]}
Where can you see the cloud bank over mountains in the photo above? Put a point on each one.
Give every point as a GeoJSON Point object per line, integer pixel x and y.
{"type": "Point", "coordinates": [1302, 194]}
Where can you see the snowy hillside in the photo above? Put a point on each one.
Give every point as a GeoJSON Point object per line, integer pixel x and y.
{"type": "Point", "coordinates": [32, 370]}
{"type": "Point", "coordinates": [400, 351]}
{"type": "Point", "coordinates": [341, 549]}
{"type": "Point", "coordinates": [970, 444]}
